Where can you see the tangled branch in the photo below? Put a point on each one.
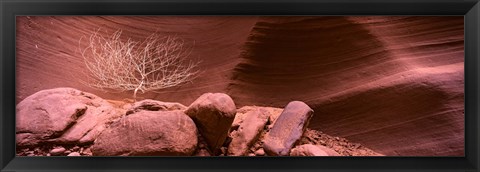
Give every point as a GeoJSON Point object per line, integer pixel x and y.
{"type": "Point", "coordinates": [152, 64]}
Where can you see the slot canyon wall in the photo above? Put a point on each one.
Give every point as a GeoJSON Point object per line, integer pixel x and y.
{"type": "Point", "coordinates": [393, 84]}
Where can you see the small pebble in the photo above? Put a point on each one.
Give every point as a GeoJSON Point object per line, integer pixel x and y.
{"type": "Point", "coordinates": [260, 152]}
{"type": "Point", "coordinates": [74, 154]}
{"type": "Point", "coordinates": [251, 154]}
{"type": "Point", "coordinates": [87, 151]}
{"type": "Point", "coordinates": [37, 150]}
{"type": "Point", "coordinates": [57, 151]}
{"type": "Point", "coordinates": [337, 148]}
{"type": "Point", "coordinates": [75, 148]}
{"type": "Point", "coordinates": [362, 152]}
{"type": "Point", "coordinates": [67, 152]}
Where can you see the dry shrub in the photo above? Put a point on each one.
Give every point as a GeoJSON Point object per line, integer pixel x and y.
{"type": "Point", "coordinates": [149, 65]}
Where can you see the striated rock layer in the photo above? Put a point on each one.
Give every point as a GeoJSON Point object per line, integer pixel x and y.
{"type": "Point", "coordinates": [49, 51]}
{"type": "Point", "coordinates": [393, 84]}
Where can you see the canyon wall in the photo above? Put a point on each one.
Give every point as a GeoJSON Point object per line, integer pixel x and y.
{"type": "Point", "coordinates": [394, 84]}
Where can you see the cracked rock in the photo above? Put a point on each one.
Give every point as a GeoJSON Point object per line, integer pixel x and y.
{"type": "Point", "coordinates": [61, 115]}
{"type": "Point", "coordinates": [148, 133]}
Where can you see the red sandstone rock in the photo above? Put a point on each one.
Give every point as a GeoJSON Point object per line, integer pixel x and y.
{"type": "Point", "coordinates": [412, 67]}
{"type": "Point", "coordinates": [213, 113]}
{"type": "Point", "coordinates": [148, 133]}
{"type": "Point", "coordinates": [154, 105]}
{"type": "Point", "coordinates": [57, 151]}
{"type": "Point", "coordinates": [62, 115]}
{"type": "Point", "coordinates": [248, 132]}
{"type": "Point", "coordinates": [288, 129]}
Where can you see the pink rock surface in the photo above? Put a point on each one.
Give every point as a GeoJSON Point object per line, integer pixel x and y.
{"type": "Point", "coordinates": [248, 132]}
{"type": "Point", "coordinates": [148, 133]}
{"type": "Point", "coordinates": [288, 129]}
{"type": "Point", "coordinates": [62, 115]}
{"type": "Point", "coordinates": [394, 84]}
{"type": "Point", "coordinates": [213, 114]}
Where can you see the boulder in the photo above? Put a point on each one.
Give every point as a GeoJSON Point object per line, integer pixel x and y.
{"type": "Point", "coordinates": [288, 129]}
{"type": "Point", "coordinates": [153, 105]}
{"type": "Point", "coordinates": [148, 133]}
{"type": "Point", "coordinates": [213, 113]}
{"type": "Point", "coordinates": [308, 150]}
{"type": "Point", "coordinates": [64, 115]}
{"type": "Point", "coordinates": [248, 132]}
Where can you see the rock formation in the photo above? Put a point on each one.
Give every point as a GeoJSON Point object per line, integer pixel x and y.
{"type": "Point", "coordinates": [247, 132]}
{"type": "Point", "coordinates": [62, 115]}
{"type": "Point", "coordinates": [288, 129]}
{"type": "Point", "coordinates": [213, 114]}
{"type": "Point", "coordinates": [156, 128]}
{"type": "Point", "coordinates": [153, 105]}
{"type": "Point", "coordinates": [392, 83]}
{"type": "Point", "coordinates": [148, 133]}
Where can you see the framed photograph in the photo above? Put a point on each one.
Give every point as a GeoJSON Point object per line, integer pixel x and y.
{"type": "Point", "coordinates": [309, 85]}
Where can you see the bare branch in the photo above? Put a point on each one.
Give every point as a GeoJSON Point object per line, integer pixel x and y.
{"type": "Point", "coordinates": [150, 65]}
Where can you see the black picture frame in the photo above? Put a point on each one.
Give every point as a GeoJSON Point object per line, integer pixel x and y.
{"type": "Point", "coordinates": [470, 9]}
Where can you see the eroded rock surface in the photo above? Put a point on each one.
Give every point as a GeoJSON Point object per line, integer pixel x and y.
{"type": "Point", "coordinates": [248, 132]}
{"type": "Point", "coordinates": [62, 115]}
{"type": "Point", "coordinates": [153, 105]}
{"type": "Point", "coordinates": [213, 114]}
{"type": "Point", "coordinates": [288, 128]}
{"type": "Point", "coordinates": [412, 67]}
{"type": "Point", "coordinates": [148, 133]}
{"type": "Point", "coordinates": [307, 150]}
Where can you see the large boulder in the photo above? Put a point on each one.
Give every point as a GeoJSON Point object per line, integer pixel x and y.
{"type": "Point", "coordinates": [148, 133]}
{"type": "Point", "coordinates": [64, 115]}
{"type": "Point", "coordinates": [248, 132]}
{"type": "Point", "coordinates": [288, 129]}
{"type": "Point", "coordinates": [213, 114]}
